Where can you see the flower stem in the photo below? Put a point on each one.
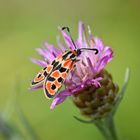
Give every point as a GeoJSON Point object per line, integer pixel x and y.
{"type": "Point", "coordinates": [107, 128]}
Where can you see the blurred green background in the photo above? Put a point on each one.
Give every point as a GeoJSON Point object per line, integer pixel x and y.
{"type": "Point", "coordinates": [26, 24]}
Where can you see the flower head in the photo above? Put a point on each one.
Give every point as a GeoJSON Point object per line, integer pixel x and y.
{"type": "Point", "coordinates": [89, 72]}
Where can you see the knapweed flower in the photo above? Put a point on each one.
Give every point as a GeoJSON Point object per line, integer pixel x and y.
{"type": "Point", "coordinates": [89, 84]}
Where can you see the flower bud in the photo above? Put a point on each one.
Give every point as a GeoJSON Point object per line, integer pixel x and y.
{"type": "Point", "coordinates": [97, 102]}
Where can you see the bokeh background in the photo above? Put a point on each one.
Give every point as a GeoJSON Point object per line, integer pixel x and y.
{"type": "Point", "coordinates": [26, 24]}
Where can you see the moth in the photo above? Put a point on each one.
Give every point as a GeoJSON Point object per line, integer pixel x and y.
{"type": "Point", "coordinates": [55, 73]}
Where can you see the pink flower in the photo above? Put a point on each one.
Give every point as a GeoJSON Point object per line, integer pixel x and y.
{"type": "Point", "coordinates": [87, 68]}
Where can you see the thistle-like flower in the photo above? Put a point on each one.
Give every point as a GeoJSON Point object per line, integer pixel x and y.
{"type": "Point", "coordinates": [90, 85]}
{"type": "Point", "coordinates": [89, 73]}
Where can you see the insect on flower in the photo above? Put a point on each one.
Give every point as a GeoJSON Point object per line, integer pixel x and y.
{"type": "Point", "coordinates": [55, 73]}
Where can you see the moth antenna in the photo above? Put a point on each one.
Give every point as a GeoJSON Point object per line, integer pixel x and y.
{"type": "Point", "coordinates": [68, 30]}
{"type": "Point", "coordinates": [94, 49]}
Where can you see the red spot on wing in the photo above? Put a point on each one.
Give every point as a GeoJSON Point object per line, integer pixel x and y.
{"type": "Point", "coordinates": [57, 84]}
{"type": "Point", "coordinates": [64, 75]}
{"type": "Point", "coordinates": [55, 74]}
{"type": "Point", "coordinates": [67, 63]}
{"type": "Point", "coordinates": [49, 89]}
{"type": "Point", "coordinates": [71, 66]}
{"type": "Point", "coordinates": [49, 68]}
{"type": "Point", "coordinates": [39, 79]}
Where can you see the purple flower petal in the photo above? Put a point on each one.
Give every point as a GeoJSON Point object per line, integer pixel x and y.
{"type": "Point", "coordinates": [67, 39]}
{"type": "Point", "coordinates": [101, 64]}
{"type": "Point", "coordinates": [90, 33]}
{"type": "Point", "coordinates": [82, 38]}
{"type": "Point", "coordinates": [59, 99]}
{"type": "Point", "coordinates": [99, 44]}
{"type": "Point", "coordinates": [41, 52]}
{"type": "Point", "coordinates": [108, 52]}
{"type": "Point", "coordinates": [50, 57]}
{"type": "Point", "coordinates": [60, 45]}
{"type": "Point", "coordinates": [39, 62]}
{"type": "Point", "coordinates": [80, 35]}
{"type": "Point", "coordinates": [51, 49]}
{"type": "Point", "coordinates": [90, 64]}
{"type": "Point", "coordinates": [96, 82]}
{"type": "Point", "coordinates": [36, 87]}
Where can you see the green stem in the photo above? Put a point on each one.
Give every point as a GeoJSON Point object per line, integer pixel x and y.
{"type": "Point", "coordinates": [107, 128]}
{"type": "Point", "coordinates": [111, 126]}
